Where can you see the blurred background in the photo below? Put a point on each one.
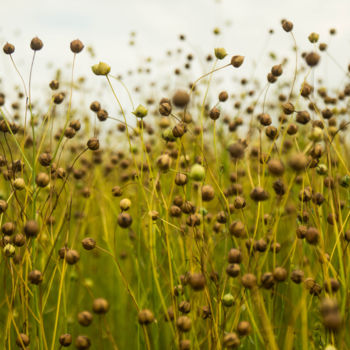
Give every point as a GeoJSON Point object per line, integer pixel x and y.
{"type": "Point", "coordinates": [126, 33]}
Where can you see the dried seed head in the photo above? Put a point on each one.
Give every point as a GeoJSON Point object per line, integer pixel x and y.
{"type": "Point", "coordinates": [184, 324]}
{"type": "Point", "coordinates": [259, 194]}
{"type": "Point", "coordinates": [95, 106]}
{"type": "Point", "coordinates": [297, 276]}
{"type": "Point", "coordinates": [35, 277]}
{"type": "Point", "coordinates": [145, 317]}
{"type": "Point", "coordinates": [312, 59]}
{"type": "Point", "coordinates": [313, 37]}
{"type": "Point", "coordinates": [237, 61]}
{"type": "Point", "coordinates": [312, 235]}
{"type": "Point", "coordinates": [249, 280]}
{"type": "Point", "coordinates": [8, 228]}
{"type": "Point", "coordinates": [277, 70]}
{"type": "Point", "coordinates": [88, 243]}
{"type": "Point", "coordinates": [124, 220]}
{"type": "Point", "coordinates": [181, 98]}
{"type": "Point", "coordinates": [298, 162]}
{"type": "Point", "coordinates": [208, 193]}
{"type": "Point", "coordinates": [231, 341]}
{"type": "Point", "coordinates": [220, 53]}
{"type": "Point", "coordinates": [85, 318]}
{"type": "Point", "coordinates": [237, 229]}
{"type": "Point", "coordinates": [233, 270]}
{"type": "Point", "coordinates": [287, 25]}
{"type": "Point", "coordinates": [223, 96]}
{"type": "Point", "coordinates": [234, 256]}
{"type": "Point", "coordinates": [197, 281]}
{"type": "Point", "coordinates": [3, 206]}
{"type": "Point", "coordinates": [22, 339]}
{"type": "Point", "coordinates": [72, 256]}
{"type": "Point", "coordinates": [82, 342]}
{"type": "Point", "coordinates": [31, 228]}
{"type": "Point", "coordinates": [275, 167]}
{"type": "Point", "coordinates": [36, 44]}
{"type": "Point", "coordinates": [54, 85]}
{"type": "Point", "coordinates": [42, 179]}
{"type": "Point", "coordinates": [180, 179]}
{"type": "Point", "coordinates": [288, 108]}
{"type": "Point", "coordinates": [214, 113]}
{"type": "Point", "coordinates": [165, 108]}
{"type": "Point", "coordinates": [244, 328]}
{"type": "Point", "coordinates": [93, 144]}
{"type": "Point", "coordinates": [76, 46]}
{"type": "Point", "coordinates": [9, 49]}
{"type": "Point", "coordinates": [303, 117]}
{"type": "Point", "coordinates": [236, 150]}
{"type": "Point", "coordinates": [65, 339]}
{"type": "Point", "coordinates": [280, 274]}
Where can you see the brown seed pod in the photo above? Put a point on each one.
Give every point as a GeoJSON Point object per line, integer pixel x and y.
{"type": "Point", "coordinates": [249, 280]}
{"type": "Point", "coordinates": [277, 70]}
{"type": "Point", "coordinates": [233, 270]}
{"type": "Point", "coordinates": [184, 324]}
{"type": "Point", "coordinates": [275, 167]}
{"type": "Point", "coordinates": [208, 193]}
{"type": "Point", "coordinates": [214, 113]}
{"type": "Point", "coordinates": [88, 243]}
{"type": "Point", "coordinates": [54, 85]}
{"type": "Point", "coordinates": [197, 281]}
{"type": "Point", "coordinates": [181, 98]}
{"type": "Point", "coordinates": [244, 328]}
{"type": "Point", "coordinates": [95, 106]}
{"type": "Point", "coordinates": [76, 46]}
{"type": "Point", "coordinates": [65, 339]}
{"type": "Point", "coordinates": [8, 228]}
{"type": "Point", "coordinates": [236, 150]}
{"type": "Point", "coordinates": [236, 61]}
{"type": "Point", "coordinates": [19, 240]}
{"type": "Point", "coordinates": [264, 119]}
{"type": "Point", "coordinates": [298, 162]}
{"type": "Point", "coordinates": [280, 274]}
{"type": "Point", "coordinates": [85, 318]}
{"type": "Point", "coordinates": [45, 159]}
{"type": "Point", "coordinates": [239, 202]}
{"type": "Point", "coordinates": [258, 194]}
{"type": "Point", "coordinates": [100, 306]}
{"type": "Point", "coordinates": [36, 44]}
{"type": "Point", "coordinates": [42, 179]}
{"type": "Point", "coordinates": [332, 285]}
{"type": "Point", "coordinates": [303, 117]}
{"type": "Point", "coordinates": [237, 229]}
{"type": "Point", "coordinates": [35, 277]}
{"type": "Point", "coordinates": [82, 342]}
{"type": "Point", "coordinates": [31, 228]}
{"type": "Point", "coordinates": [9, 49]}
{"type": "Point", "coordinates": [223, 96]}
{"type": "Point", "coordinates": [72, 256]}
{"type": "Point", "coordinates": [234, 256]}
{"type": "Point", "coordinates": [288, 108]}
{"type": "Point", "coordinates": [124, 220]}
{"type": "Point", "coordinates": [312, 59]}
{"type": "Point", "coordinates": [267, 280]}
{"type": "Point", "coordinates": [185, 307]}
{"type": "Point", "coordinates": [312, 235]}
{"type": "Point", "coordinates": [271, 78]}
{"type": "Point", "coordinates": [231, 340]}
{"type": "Point", "coordinates": [287, 25]}
{"type": "Point", "coordinates": [22, 340]}
{"type": "Point", "coordinates": [93, 144]}
{"type": "Point", "coordinates": [297, 276]}
{"type": "Point", "coordinates": [145, 317]}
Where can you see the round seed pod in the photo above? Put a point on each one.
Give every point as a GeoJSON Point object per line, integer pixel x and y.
{"type": "Point", "coordinates": [197, 281]}
{"type": "Point", "coordinates": [258, 194]}
{"type": "Point", "coordinates": [3, 206]}
{"type": "Point", "coordinates": [45, 159]}
{"type": "Point", "coordinates": [165, 108]}
{"type": "Point", "coordinates": [8, 228]}
{"type": "Point", "coordinates": [233, 270]}
{"type": "Point", "coordinates": [125, 204]}
{"type": "Point", "coordinates": [249, 280]}
{"type": "Point", "coordinates": [42, 179]}
{"type": "Point", "coordinates": [82, 342]}
{"type": "Point", "coordinates": [312, 59]}
{"type": "Point", "coordinates": [124, 220]}
{"type": "Point", "coordinates": [75, 124]}
{"type": "Point", "coordinates": [231, 341]}
{"type": "Point", "coordinates": [301, 231]}
{"type": "Point", "coordinates": [298, 162]}
{"type": "Point", "coordinates": [236, 150]}
{"type": "Point", "coordinates": [312, 235]}
{"type": "Point", "coordinates": [297, 276]}
{"type": "Point", "coordinates": [36, 44]}
{"type": "Point", "coordinates": [287, 25]}
{"type": "Point", "coordinates": [58, 98]}
{"type": "Point", "coordinates": [267, 280]}
{"type": "Point", "coordinates": [214, 113]}
{"type": "Point", "coordinates": [277, 70]}
{"type": "Point", "coordinates": [265, 119]}
{"type": "Point", "coordinates": [280, 274]}
{"type": "Point", "coordinates": [117, 191]}
{"type": "Point", "coordinates": [65, 340]}
{"type": "Point", "coordinates": [102, 115]}
{"type": "Point", "coordinates": [244, 328]}
{"type": "Point", "coordinates": [19, 240]}
{"type": "Point", "coordinates": [76, 46]}
{"type": "Point", "coordinates": [31, 228]}
{"type": "Point", "coordinates": [236, 61]}
{"type": "Point", "coordinates": [279, 187]}
{"type": "Point", "coordinates": [234, 256]}
{"type": "Point", "coordinates": [275, 167]}
{"type": "Point", "coordinates": [88, 243]}
{"type": "Point", "coordinates": [288, 108]}
{"type": "Point", "coordinates": [271, 78]}
{"type": "Point", "coordinates": [100, 306]}
{"type": "Point", "coordinates": [22, 339]}
{"type": "Point", "coordinates": [72, 256]}
{"type": "Point", "coordinates": [93, 144]}
{"type": "Point", "coordinates": [181, 98]}
{"type": "Point", "coordinates": [145, 317]}
{"type": "Point", "coordinates": [237, 229]}
{"type": "Point", "coordinates": [69, 132]}
{"type": "Point", "coordinates": [303, 117]}
{"type": "Point", "coordinates": [85, 318]}
{"type": "Point", "coordinates": [184, 324]}
{"type": "Point", "coordinates": [95, 106]}
{"type": "Point", "coordinates": [292, 129]}
{"type": "Point", "coordinates": [185, 344]}
{"type": "Point", "coordinates": [8, 49]}
{"type": "Point", "coordinates": [332, 285]}
{"type": "Point", "coordinates": [35, 277]}
{"type": "Point", "coordinates": [54, 85]}
{"type": "Point", "coordinates": [180, 179]}
{"type": "Point", "coordinates": [332, 321]}
{"type": "Point", "coordinates": [208, 193]}
{"type": "Point", "coordinates": [185, 307]}
{"type": "Point", "coordinates": [223, 96]}
{"type": "Point", "coordinates": [239, 202]}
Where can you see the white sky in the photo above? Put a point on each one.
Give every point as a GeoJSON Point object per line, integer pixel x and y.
{"type": "Point", "coordinates": [106, 25]}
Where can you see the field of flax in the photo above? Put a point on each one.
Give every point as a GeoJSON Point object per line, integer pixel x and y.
{"type": "Point", "coordinates": [206, 217]}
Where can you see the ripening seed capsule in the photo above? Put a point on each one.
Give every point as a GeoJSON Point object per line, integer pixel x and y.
{"type": "Point", "coordinates": [231, 341]}
{"type": "Point", "coordinates": [125, 204]}
{"type": "Point", "coordinates": [234, 256]}
{"type": "Point", "coordinates": [208, 193]}
{"type": "Point", "coordinates": [312, 235]}
{"type": "Point", "coordinates": [181, 98]}
{"type": "Point", "coordinates": [197, 172]}
{"type": "Point", "coordinates": [185, 344]}
{"type": "Point", "coordinates": [228, 300]}
{"type": "Point", "coordinates": [233, 270]}
{"type": "Point", "coordinates": [35, 277]}
{"type": "Point", "coordinates": [124, 220]}
{"type": "Point", "coordinates": [42, 179]}
{"type": "Point", "coordinates": [9, 49]}
{"type": "Point", "coordinates": [101, 68]}
{"type": "Point", "coordinates": [312, 59]}
{"type": "Point", "coordinates": [249, 280]}
{"type": "Point", "coordinates": [9, 250]}
{"type": "Point", "coordinates": [145, 317]}
{"type": "Point", "coordinates": [65, 339]}
{"type": "Point", "coordinates": [31, 228]}
{"type": "Point", "coordinates": [19, 184]}
{"type": "Point", "coordinates": [95, 106]}
{"type": "Point", "coordinates": [184, 324]}
{"type": "Point", "coordinates": [54, 85]}
{"type": "Point", "coordinates": [223, 96]}
{"type": "Point", "coordinates": [277, 70]}
{"type": "Point", "coordinates": [214, 113]}
{"type": "Point", "coordinates": [82, 342]}
{"type": "Point", "coordinates": [3, 206]}
{"type": "Point", "coordinates": [36, 44]}
{"type": "Point", "coordinates": [72, 256]}
{"type": "Point", "coordinates": [197, 281]}
{"type": "Point", "coordinates": [100, 306]}
{"type": "Point", "coordinates": [236, 61]}
{"type": "Point", "coordinates": [287, 25]}
{"type": "Point", "coordinates": [288, 108]}
{"type": "Point", "coordinates": [22, 339]}
{"type": "Point", "coordinates": [76, 46]}
{"type": "Point", "coordinates": [85, 318]}
{"type": "Point", "coordinates": [244, 328]}
{"type": "Point", "coordinates": [280, 274]}
{"type": "Point", "coordinates": [93, 144]}
{"type": "Point", "coordinates": [88, 243]}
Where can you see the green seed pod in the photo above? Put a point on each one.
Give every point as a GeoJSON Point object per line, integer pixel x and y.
{"type": "Point", "coordinates": [197, 172]}
{"type": "Point", "coordinates": [220, 53]}
{"type": "Point", "coordinates": [9, 250]}
{"type": "Point", "coordinates": [228, 300]}
{"type": "Point", "coordinates": [101, 68]}
{"type": "Point", "coordinates": [140, 111]}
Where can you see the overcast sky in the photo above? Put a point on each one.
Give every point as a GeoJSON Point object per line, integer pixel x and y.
{"type": "Point", "coordinates": [106, 25]}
